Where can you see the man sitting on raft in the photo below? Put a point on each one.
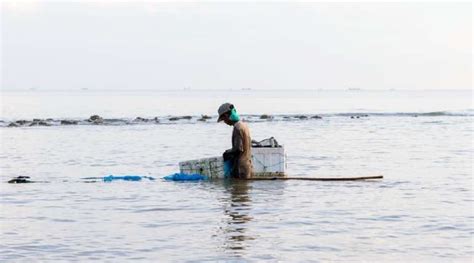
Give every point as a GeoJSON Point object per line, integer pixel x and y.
{"type": "Point", "coordinates": [241, 153]}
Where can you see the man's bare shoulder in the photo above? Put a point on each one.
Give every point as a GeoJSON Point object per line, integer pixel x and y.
{"type": "Point", "coordinates": [241, 126]}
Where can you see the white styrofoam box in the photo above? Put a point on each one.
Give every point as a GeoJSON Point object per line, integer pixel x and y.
{"type": "Point", "coordinates": [211, 167]}
{"type": "Point", "coordinates": [267, 162]}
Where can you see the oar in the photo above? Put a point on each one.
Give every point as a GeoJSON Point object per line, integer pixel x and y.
{"type": "Point", "coordinates": [316, 178]}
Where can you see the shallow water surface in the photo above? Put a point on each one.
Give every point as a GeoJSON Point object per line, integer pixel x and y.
{"type": "Point", "coordinates": [421, 210]}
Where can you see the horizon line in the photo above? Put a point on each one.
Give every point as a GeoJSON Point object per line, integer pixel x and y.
{"type": "Point", "coordinates": [243, 89]}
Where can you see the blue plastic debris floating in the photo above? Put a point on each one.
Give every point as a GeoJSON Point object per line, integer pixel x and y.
{"type": "Point", "coordinates": [185, 177]}
{"type": "Point", "coordinates": [111, 178]}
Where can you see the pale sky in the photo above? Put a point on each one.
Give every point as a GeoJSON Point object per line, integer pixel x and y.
{"type": "Point", "coordinates": [149, 45]}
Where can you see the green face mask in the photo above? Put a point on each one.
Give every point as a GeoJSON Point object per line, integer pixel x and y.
{"type": "Point", "coordinates": [234, 116]}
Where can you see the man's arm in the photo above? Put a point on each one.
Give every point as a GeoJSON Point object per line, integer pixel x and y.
{"type": "Point", "coordinates": [237, 146]}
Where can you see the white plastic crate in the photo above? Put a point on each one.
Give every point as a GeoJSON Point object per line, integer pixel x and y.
{"type": "Point", "coordinates": [211, 167]}
{"type": "Point", "coordinates": [267, 162]}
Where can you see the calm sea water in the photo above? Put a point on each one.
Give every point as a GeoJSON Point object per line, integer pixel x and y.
{"type": "Point", "coordinates": [421, 141]}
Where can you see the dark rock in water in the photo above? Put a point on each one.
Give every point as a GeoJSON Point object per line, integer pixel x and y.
{"type": "Point", "coordinates": [49, 119]}
{"type": "Point", "coordinates": [301, 117]}
{"type": "Point", "coordinates": [180, 118]}
{"type": "Point", "coordinates": [37, 120]}
{"type": "Point", "coordinates": [96, 119]}
{"type": "Point", "coordinates": [68, 122]}
{"type": "Point", "coordinates": [206, 117]}
{"type": "Point", "coordinates": [141, 119]}
{"type": "Point", "coordinates": [359, 116]}
{"type": "Point", "coordinates": [156, 120]}
{"type": "Point", "coordinates": [316, 117]}
{"type": "Point", "coordinates": [39, 123]}
{"type": "Point", "coordinates": [202, 119]}
{"type": "Point", "coordinates": [286, 117]}
{"type": "Point", "coordinates": [13, 124]}
{"type": "Point", "coordinates": [20, 180]}
{"type": "Point", "coordinates": [265, 117]}
{"type": "Point", "coordinates": [21, 122]}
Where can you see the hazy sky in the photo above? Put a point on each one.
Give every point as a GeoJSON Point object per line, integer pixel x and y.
{"type": "Point", "coordinates": [140, 45]}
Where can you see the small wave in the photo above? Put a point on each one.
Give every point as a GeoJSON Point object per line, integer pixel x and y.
{"type": "Point", "coordinates": [98, 120]}
{"type": "Point", "coordinates": [462, 113]}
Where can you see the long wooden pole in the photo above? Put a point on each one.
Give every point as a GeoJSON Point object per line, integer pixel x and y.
{"type": "Point", "coordinates": [316, 178]}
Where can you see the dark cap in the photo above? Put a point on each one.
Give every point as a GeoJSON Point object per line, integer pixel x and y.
{"type": "Point", "coordinates": [224, 108]}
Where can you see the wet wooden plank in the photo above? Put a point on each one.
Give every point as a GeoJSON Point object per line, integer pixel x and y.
{"type": "Point", "coordinates": [316, 178]}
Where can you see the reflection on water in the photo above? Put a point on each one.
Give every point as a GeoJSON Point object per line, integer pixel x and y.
{"type": "Point", "coordinates": [237, 206]}
{"type": "Point", "coordinates": [239, 210]}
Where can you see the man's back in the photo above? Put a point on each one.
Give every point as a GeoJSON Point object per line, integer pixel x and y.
{"type": "Point", "coordinates": [241, 141]}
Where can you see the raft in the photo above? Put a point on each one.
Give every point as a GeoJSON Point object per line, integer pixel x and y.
{"type": "Point", "coordinates": [268, 161]}
{"type": "Point", "coordinates": [199, 177]}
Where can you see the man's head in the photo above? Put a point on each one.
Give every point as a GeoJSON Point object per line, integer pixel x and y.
{"type": "Point", "coordinates": [224, 112]}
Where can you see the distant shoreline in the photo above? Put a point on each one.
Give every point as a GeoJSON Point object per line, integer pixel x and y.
{"type": "Point", "coordinates": [222, 90]}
